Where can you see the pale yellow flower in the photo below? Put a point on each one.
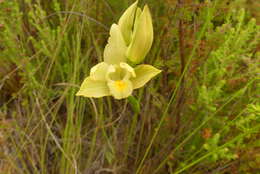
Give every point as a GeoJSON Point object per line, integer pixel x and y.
{"type": "Point", "coordinates": [114, 77]}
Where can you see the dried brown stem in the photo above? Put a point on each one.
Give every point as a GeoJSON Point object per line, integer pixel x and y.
{"type": "Point", "coordinates": [180, 98]}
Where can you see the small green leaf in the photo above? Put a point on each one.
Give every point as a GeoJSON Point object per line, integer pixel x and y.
{"type": "Point", "coordinates": [134, 103]}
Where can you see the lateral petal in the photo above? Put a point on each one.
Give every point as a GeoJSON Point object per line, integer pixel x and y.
{"type": "Point", "coordinates": [98, 72]}
{"type": "Point", "coordinates": [144, 73]}
{"type": "Point", "coordinates": [93, 88]}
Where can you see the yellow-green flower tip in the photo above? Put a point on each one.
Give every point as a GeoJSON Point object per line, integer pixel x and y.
{"type": "Point", "coordinates": [126, 22]}
{"type": "Point", "coordinates": [115, 49]}
{"type": "Point", "coordinates": [142, 37]}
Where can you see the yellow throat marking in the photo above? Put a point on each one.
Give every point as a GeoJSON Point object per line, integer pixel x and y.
{"type": "Point", "coordinates": [120, 85]}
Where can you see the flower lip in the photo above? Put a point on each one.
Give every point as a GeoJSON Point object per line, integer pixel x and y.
{"type": "Point", "coordinates": [113, 73]}
{"type": "Point", "coordinates": [123, 71]}
{"type": "Point", "coordinates": [128, 68]}
{"type": "Point", "coordinates": [120, 85]}
{"type": "Point", "coordinates": [118, 76]}
{"type": "Point", "coordinates": [120, 89]}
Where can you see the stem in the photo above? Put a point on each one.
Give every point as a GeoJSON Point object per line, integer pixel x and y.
{"type": "Point", "coordinates": [180, 98]}
{"type": "Point", "coordinates": [156, 131]}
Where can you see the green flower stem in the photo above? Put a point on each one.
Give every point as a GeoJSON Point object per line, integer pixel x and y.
{"type": "Point", "coordinates": [102, 125]}
{"type": "Point", "coordinates": [134, 103]}
{"type": "Point", "coordinates": [94, 137]}
{"type": "Point", "coordinates": [133, 126]}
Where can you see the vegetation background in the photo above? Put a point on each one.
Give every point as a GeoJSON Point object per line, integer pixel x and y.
{"type": "Point", "coordinates": [199, 116]}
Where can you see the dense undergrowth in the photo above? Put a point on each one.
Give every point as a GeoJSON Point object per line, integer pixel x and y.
{"type": "Point", "coordinates": [199, 116]}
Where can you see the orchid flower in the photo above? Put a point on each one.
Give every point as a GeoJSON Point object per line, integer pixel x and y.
{"type": "Point", "coordinates": [129, 41]}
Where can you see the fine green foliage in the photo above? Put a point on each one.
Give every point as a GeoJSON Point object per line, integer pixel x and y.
{"type": "Point", "coordinates": [200, 115]}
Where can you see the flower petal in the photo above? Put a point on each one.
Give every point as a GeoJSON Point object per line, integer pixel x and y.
{"type": "Point", "coordinates": [113, 73]}
{"type": "Point", "coordinates": [137, 15]}
{"type": "Point", "coordinates": [115, 50]}
{"type": "Point", "coordinates": [98, 72]}
{"type": "Point", "coordinates": [120, 89]}
{"type": "Point", "coordinates": [126, 22]}
{"type": "Point", "coordinates": [93, 88]}
{"type": "Point", "coordinates": [142, 37]}
{"type": "Point", "coordinates": [144, 73]}
{"type": "Point", "coordinates": [128, 68]}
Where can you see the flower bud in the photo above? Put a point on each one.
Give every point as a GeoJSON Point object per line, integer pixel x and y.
{"type": "Point", "coordinates": [142, 37]}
